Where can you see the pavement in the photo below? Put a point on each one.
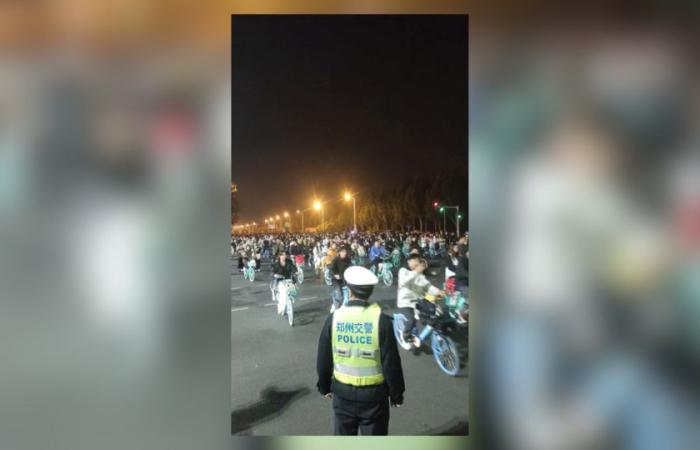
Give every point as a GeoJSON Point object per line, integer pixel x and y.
{"type": "Point", "coordinates": [273, 367]}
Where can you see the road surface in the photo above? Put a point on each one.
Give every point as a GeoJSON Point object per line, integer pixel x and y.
{"type": "Point", "coordinates": [273, 367]}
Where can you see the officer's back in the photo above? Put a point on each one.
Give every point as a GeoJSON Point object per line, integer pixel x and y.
{"type": "Point", "coordinates": [358, 361]}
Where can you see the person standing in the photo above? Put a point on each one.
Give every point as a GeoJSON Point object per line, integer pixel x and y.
{"type": "Point", "coordinates": [338, 267]}
{"type": "Point", "coordinates": [358, 362]}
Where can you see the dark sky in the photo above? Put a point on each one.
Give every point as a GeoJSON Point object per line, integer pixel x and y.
{"type": "Point", "coordinates": [326, 102]}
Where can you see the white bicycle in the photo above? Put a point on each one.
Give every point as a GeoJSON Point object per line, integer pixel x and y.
{"type": "Point", "coordinates": [285, 296]}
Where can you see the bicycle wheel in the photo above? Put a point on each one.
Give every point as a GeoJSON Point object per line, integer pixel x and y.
{"type": "Point", "coordinates": [290, 312]}
{"type": "Point", "coordinates": [245, 273]}
{"type": "Point", "coordinates": [251, 275]}
{"type": "Point", "coordinates": [327, 277]}
{"type": "Point", "coordinates": [300, 275]}
{"type": "Point", "coordinates": [388, 277]}
{"type": "Point", "coordinates": [445, 353]}
{"type": "Point", "coordinates": [399, 327]}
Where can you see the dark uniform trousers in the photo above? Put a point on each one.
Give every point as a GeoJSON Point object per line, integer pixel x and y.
{"type": "Point", "coordinates": [371, 418]}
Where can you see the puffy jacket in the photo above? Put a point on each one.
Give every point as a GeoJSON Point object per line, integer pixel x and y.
{"type": "Point", "coordinates": [412, 287]}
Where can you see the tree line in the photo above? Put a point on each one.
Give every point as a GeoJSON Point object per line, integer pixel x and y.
{"type": "Point", "coordinates": [408, 205]}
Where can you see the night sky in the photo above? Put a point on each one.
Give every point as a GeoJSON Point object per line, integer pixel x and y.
{"type": "Point", "coordinates": [321, 103]}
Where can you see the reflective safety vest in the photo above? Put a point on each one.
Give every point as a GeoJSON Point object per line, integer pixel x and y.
{"type": "Point", "coordinates": [356, 354]}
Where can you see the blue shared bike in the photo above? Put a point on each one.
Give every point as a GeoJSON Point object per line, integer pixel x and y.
{"type": "Point", "coordinates": [437, 325]}
{"type": "Point", "coordinates": [340, 295]}
{"type": "Point", "coordinates": [249, 270]}
{"type": "Point", "coordinates": [385, 272]}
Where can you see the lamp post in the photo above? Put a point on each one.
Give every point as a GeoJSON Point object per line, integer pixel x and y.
{"type": "Point", "coordinates": [444, 219]}
{"type": "Point", "coordinates": [302, 219]}
{"type": "Point", "coordinates": [458, 216]}
{"type": "Point", "coordinates": [349, 196]}
{"type": "Point", "coordinates": [319, 207]}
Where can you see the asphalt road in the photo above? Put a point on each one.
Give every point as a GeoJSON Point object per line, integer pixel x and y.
{"type": "Point", "coordinates": [273, 367]}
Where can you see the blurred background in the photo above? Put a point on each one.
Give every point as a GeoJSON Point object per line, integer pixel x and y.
{"type": "Point", "coordinates": [585, 202]}
{"type": "Point", "coordinates": [115, 210]}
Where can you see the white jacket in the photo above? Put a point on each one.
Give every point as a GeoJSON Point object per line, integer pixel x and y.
{"type": "Point", "coordinates": [412, 287]}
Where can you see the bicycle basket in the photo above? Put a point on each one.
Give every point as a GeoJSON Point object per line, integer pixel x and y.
{"type": "Point", "coordinates": [426, 308]}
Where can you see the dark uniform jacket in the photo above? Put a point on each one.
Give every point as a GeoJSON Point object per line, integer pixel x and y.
{"type": "Point", "coordinates": [393, 385]}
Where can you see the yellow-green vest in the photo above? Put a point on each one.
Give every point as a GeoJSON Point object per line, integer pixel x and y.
{"type": "Point", "coordinates": [355, 340]}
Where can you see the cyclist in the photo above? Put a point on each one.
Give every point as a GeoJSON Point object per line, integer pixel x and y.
{"type": "Point", "coordinates": [413, 287]}
{"type": "Point", "coordinates": [338, 266]}
{"type": "Point", "coordinates": [329, 256]}
{"type": "Point", "coordinates": [282, 269]}
{"type": "Point", "coordinates": [458, 264]}
{"type": "Point", "coordinates": [376, 253]}
{"type": "Point", "coordinates": [297, 252]}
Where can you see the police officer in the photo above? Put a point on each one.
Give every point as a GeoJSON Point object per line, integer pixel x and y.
{"type": "Point", "coordinates": [358, 362]}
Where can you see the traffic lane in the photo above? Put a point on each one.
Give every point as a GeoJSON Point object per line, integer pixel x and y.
{"type": "Point", "coordinates": [433, 400]}
{"type": "Point", "coordinates": [273, 370]}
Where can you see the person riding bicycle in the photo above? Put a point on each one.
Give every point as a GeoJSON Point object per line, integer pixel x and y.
{"type": "Point", "coordinates": [329, 256]}
{"type": "Point", "coordinates": [297, 252]}
{"type": "Point", "coordinates": [412, 290]}
{"type": "Point", "coordinates": [338, 266]}
{"type": "Point", "coordinates": [282, 269]}
{"type": "Point", "coordinates": [459, 265]}
{"type": "Point", "coordinates": [376, 253]}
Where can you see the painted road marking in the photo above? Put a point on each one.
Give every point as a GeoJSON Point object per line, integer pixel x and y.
{"type": "Point", "coordinates": [299, 299]}
{"type": "Point", "coordinates": [239, 309]}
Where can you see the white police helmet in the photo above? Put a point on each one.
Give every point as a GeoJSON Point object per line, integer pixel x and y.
{"type": "Point", "coordinates": [360, 281]}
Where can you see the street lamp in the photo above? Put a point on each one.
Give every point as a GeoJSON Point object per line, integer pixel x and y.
{"type": "Point", "coordinates": [319, 207]}
{"type": "Point", "coordinates": [444, 220]}
{"type": "Point", "coordinates": [348, 196]}
{"type": "Point", "coordinates": [302, 219]}
{"type": "Point", "coordinates": [458, 216]}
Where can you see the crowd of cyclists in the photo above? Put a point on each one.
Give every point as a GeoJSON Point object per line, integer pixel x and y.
{"type": "Point", "coordinates": [411, 254]}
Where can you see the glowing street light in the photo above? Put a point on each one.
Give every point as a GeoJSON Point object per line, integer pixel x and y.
{"type": "Point", "coordinates": [286, 214]}
{"type": "Point", "coordinates": [277, 217]}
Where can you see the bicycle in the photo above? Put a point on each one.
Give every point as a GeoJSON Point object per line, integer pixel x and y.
{"type": "Point", "coordinates": [437, 325]}
{"type": "Point", "coordinates": [338, 294]}
{"type": "Point", "coordinates": [456, 302]}
{"type": "Point", "coordinates": [385, 273]}
{"type": "Point", "coordinates": [249, 270]}
{"type": "Point", "coordinates": [287, 292]}
{"type": "Point", "coordinates": [299, 260]}
{"type": "Point", "coordinates": [396, 257]}
{"type": "Point", "coordinates": [327, 275]}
